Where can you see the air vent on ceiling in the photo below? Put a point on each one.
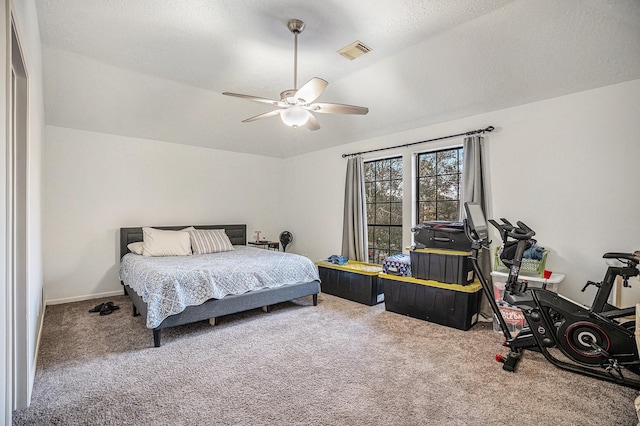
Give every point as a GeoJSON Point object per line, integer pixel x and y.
{"type": "Point", "coordinates": [354, 50]}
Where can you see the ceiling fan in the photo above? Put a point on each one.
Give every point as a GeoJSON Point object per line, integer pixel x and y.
{"type": "Point", "coordinates": [296, 105]}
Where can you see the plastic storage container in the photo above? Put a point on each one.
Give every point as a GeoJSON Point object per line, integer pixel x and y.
{"type": "Point", "coordinates": [445, 266]}
{"type": "Point", "coordinates": [452, 305]}
{"type": "Point", "coordinates": [500, 279]}
{"type": "Point", "coordinates": [355, 281]}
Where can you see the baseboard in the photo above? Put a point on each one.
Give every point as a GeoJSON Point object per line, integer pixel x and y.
{"type": "Point", "coordinates": [85, 297]}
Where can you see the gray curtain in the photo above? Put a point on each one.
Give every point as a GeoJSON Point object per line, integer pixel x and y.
{"type": "Point", "coordinates": [472, 174]}
{"type": "Point", "coordinates": [354, 229]}
{"type": "Point", "coordinates": [473, 190]}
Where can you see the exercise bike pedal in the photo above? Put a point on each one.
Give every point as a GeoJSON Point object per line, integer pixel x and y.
{"type": "Point", "coordinates": [511, 361]}
{"type": "Point", "coordinates": [500, 358]}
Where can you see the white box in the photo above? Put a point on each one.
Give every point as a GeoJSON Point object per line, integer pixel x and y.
{"type": "Point", "coordinates": [500, 278]}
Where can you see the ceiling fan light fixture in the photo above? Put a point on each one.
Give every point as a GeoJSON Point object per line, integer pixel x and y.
{"type": "Point", "coordinates": [295, 116]}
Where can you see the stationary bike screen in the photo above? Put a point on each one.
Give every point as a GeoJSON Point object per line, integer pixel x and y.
{"type": "Point", "coordinates": [477, 221]}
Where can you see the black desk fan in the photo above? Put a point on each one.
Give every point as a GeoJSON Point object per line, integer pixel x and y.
{"type": "Point", "coordinates": [286, 238]}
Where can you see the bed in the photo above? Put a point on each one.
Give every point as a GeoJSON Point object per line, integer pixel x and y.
{"type": "Point", "coordinates": [202, 302]}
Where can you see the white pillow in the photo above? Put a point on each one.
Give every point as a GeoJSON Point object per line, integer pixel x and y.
{"type": "Point", "coordinates": [210, 241]}
{"type": "Point", "coordinates": [136, 247]}
{"type": "Point", "coordinates": [158, 242]}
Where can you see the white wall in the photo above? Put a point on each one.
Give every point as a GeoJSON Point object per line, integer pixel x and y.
{"type": "Point", "coordinates": [95, 183]}
{"type": "Point", "coordinates": [568, 167]}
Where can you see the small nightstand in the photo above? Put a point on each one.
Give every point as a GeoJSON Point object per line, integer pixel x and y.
{"type": "Point", "coordinates": [271, 245]}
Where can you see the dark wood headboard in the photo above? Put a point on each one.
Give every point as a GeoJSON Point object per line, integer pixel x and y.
{"type": "Point", "coordinates": [236, 233]}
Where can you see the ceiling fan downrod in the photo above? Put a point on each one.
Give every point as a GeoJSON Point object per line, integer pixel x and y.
{"type": "Point", "coordinates": [296, 26]}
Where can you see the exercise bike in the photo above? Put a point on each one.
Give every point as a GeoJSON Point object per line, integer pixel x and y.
{"type": "Point", "coordinates": [596, 340]}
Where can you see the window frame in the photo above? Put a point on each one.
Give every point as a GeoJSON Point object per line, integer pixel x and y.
{"type": "Point", "coordinates": [391, 231]}
{"type": "Point", "coordinates": [418, 202]}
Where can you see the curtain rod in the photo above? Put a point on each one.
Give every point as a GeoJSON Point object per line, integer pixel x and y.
{"type": "Point", "coordinates": [472, 132]}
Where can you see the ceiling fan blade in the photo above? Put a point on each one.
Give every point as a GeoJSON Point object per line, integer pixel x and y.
{"type": "Point", "coordinates": [327, 108]}
{"type": "Point", "coordinates": [312, 123]}
{"type": "Point", "coordinates": [265, 115]}
{"type": "Point", "coordinates": [311, 90]}
{"type": "Point", "coordinates": [253, 98]}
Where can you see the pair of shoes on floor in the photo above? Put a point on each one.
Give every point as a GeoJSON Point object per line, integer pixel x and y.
{"type": "Point", "coordinates": [105, 308]}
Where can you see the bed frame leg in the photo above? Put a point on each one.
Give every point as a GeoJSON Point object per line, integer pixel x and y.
{"type": "Point", "coordinates": [213, 321]}
{"type": "Point", "coordinates": [156, 337]}
{"type": "Point", "coordinates": [315, 299]}
{"type": "Point", "coordinates": [266, 309]}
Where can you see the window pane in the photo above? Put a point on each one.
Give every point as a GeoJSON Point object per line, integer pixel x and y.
{"type": "Point", "coordinates": [427, 211]}
{"type": "Point", "coordinates": [371, 213]}
{"type": "Point", "coordinates": [396, 168]}
{"type": "Point", "coordinates": [395, 190]}
{"type": "Point", "coordinates": [396, 214]}
{"type": "Point", "coordinates": [382, 237]}
{"type": "Point", "coordinates": [448, 210]}
{"type": "Point", "coordinates": [369, 172]}
{"type": "Point", "coordinates": [427, 164]}
{"type": "Point", "coordinates": [447, 162]}
{"type": "Point", "coordinates": [383, 214]}
{"type": "Point", "coordinates": [427, 189]}
{"type": "Point", "coordinates": [369, 189]}
{"type": "Point", "coordinates": [395, 238]}
{"type": "Point", "coordinates": [447, 187]}
{"type": "Point", "coordinates": [382, 193]}
{"type": "Point", "coordinates": [383, 170]}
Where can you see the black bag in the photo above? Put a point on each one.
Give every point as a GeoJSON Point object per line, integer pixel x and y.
{"type": "Point", "coordinates": [509, 252]}
{"type": "Point", "coordinates": [441, 234]}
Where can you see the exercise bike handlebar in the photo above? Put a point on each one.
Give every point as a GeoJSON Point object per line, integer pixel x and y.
{"type": "Point", "coordinates": [519, 232]}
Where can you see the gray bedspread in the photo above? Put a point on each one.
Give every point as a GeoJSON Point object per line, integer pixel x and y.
{"type": "Point", "coordinates": [169, 284]}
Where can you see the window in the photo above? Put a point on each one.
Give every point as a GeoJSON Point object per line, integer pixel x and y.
{"type": "Point", "coordinates": [438, 183]}
{"type": "Point", "coordinates": [383, 184]}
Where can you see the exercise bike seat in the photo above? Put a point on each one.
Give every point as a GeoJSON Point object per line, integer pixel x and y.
{"type": "Point", "coordinates": [633, 257]}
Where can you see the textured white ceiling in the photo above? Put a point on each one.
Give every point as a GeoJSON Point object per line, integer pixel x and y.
{"type": "Point", "coordinates": [156, 69]}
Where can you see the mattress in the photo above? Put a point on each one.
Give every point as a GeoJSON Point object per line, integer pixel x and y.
{"type": "Point", "coordinates": [169, 284]}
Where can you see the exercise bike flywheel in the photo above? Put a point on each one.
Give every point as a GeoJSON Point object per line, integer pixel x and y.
{"type": "Point", "coordinates": [585, 341]}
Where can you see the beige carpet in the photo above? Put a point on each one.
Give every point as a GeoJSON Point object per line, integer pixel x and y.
{"type": "Point", "coordinates": [339, 363]}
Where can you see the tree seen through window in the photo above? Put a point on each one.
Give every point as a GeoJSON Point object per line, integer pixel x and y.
{"type": "Point", "coordinates": [438, 183]}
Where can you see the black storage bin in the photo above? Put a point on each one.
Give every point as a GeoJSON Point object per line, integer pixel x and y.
{"type": "Point", "coordinates": [441, 235]}
{"type": "Point", "coordinates": [451, 305]}
{"type": "Point", "coordinates": [445, 266]}
{"type": "Point", "coordinates": [356, 281]}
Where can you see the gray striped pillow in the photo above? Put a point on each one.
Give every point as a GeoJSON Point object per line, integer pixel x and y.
{"type": "Point", "coordinates": [205, 241]}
